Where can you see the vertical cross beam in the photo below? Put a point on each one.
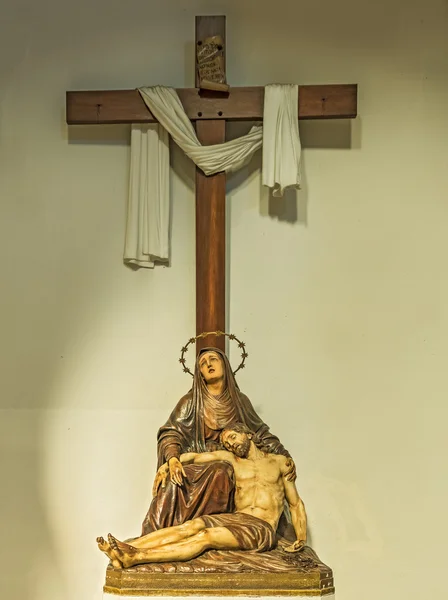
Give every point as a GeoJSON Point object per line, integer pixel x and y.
{"type": "Point", "coordinates": [210, 218]}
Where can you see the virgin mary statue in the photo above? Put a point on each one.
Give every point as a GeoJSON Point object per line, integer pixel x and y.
{"type": "Point", "coordinates": [213, 403]}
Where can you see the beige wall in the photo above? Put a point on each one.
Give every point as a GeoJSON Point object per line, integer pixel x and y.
{"type": "Point", "coordinates": [341, 293]}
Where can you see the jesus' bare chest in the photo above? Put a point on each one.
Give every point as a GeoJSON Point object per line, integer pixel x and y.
{"type": "Point", "coordinates": [262, 472]}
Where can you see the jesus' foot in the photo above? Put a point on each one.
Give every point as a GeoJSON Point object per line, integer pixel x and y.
{"type": "Point", "coordinates": [125, 553]}
{"type": "Point", "coordinates": [105, 547]}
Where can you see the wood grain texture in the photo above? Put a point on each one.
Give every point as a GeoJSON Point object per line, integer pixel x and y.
{"type": "Point", "coordinates": [337, 101]}
{"type": "Point", "coordinates": [210, 219]}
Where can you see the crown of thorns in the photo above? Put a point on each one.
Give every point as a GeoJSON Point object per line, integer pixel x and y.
{"type": "Point", "coordinates": [231, 336]}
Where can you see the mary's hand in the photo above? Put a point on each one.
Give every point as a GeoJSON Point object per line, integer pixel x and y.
{"type": "Point", "coordinates": [290, 474]}
{"type": "Point", "coordinates": [176, 471]}
{"type": "Point", "coordinates": [160, 478]}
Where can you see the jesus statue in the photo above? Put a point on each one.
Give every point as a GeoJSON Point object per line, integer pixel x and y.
{"type": "Point", "coordinates": [262, 485]}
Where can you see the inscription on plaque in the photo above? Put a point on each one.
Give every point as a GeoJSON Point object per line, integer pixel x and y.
{"type": "Point", "coordinates": [210, 64]}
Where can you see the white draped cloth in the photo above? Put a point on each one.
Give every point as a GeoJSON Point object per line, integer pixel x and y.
{"type": "Point", "coordinates": [147, 228]}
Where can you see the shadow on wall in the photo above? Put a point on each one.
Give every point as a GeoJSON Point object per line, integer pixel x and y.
{"type": "Point", "coordinates": [101, 135]}
{"type": "Point", "coordinates": [292, 207]}
{"type": "Point", "coordinates": [43, 303]}
{"type": "Point", "coordinates": [27, 545]}
{"type": "Point", "coordinates": [331, 134]}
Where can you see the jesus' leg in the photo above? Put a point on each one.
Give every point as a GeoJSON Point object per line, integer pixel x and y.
{"type": "Point", "coordinates": [218, 538]}
{"type": "Point", "coordinates": [169, 535]}
{"type": "Point", "coordinates": [155, 539]}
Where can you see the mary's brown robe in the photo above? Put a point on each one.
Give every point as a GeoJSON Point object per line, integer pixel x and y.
{"type": "Point", "coordinates": [194, 426]}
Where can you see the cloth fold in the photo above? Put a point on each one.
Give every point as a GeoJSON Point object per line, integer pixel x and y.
{"type": "Point", "coordinates": [165, 105]}
{"type": "Point", "coordinates": [281, 141]}
{"type": "Point", "coordinates": [147, 230]}
{"type": "Point", "coordinates": [148, 213]}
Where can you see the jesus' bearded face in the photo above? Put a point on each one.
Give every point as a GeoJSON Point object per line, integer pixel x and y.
{"type": "Point", "coordinates": [236, 442]}
{"type": "Point", "coordinates": [211, 367]}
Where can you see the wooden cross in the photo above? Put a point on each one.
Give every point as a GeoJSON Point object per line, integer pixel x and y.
{"type": "Point", "coordinates": [209, 110]}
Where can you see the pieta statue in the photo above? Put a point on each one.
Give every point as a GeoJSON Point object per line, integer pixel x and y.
{"type": "Point", "coordinates": [225, 504]}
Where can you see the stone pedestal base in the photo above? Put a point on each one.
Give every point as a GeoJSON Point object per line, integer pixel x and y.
{"type": "Point", "coordinates": [113, 597]}
{"type": "Point", "coordinates": [227, 573]}
{"type": "Point", "coordinates": [129, 583]}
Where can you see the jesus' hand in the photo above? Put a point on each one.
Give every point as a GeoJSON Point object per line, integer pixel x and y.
{"type": "Point", "coordinates": [297, 546]}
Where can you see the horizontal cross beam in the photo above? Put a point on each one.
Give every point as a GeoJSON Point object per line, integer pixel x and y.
{"type": "Point", "coordinates": [241, 104]}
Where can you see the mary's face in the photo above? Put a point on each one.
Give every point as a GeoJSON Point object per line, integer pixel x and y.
{"type": "Point", "coordinates": [211, 367]}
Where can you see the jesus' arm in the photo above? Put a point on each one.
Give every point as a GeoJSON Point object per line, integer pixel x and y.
{"type": "Point", "coordinates": [297, 508]}
{"type": "Point", "coordinates": [200, 458]}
